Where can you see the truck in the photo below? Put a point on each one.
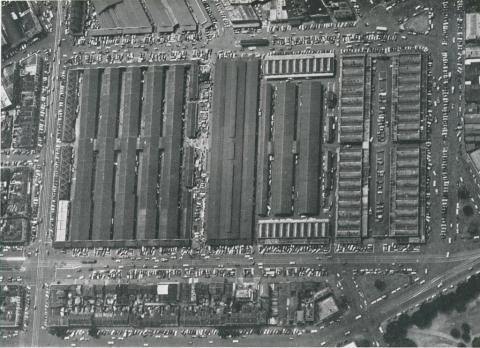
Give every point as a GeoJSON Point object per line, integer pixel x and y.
{"type": "Point", "coordinates": [381, 29]}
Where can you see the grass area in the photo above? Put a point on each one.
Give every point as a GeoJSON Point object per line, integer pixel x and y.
{"type": "Point", "coordinates": [438, 334]}
{"type": "Point", "coordinates": [469, 226]}
{"type": "Point", "coordinates": [367, 284]}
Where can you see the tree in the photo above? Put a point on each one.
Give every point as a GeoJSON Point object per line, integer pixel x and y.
{"type": "Point", "coordinates": [463, 192]}
{"type": "Point", "coordinates": [448, 303]}
{"type": "Point", "coordinates": [466, 328]}
{"type": "Point", "coordinates": [468, 210]}
{"type": "Point", "coordinates": [474, 228]}
{"type": "Point", "coordinates": [476, 342]}
{"type": "Point", "coordinates": [466, 337]}
{"type": "Point", "coordinates": [363, 343]}
{"type": "Point", "coordinates": [380, 284]}
{"type": "Point", "coordinates": [455, 333]}
{"type": "Point", "coordinates": [405, 342]}
{"type": "Point", "coordinates": [93, 330]}
{"type": "Point", "coordinates": [58, 331]}
{"type": "Point", "coordinates": [394, 332]}
{"type": "Point", "coordinates": [461, 344]}
{"type": "Point", "coordinates": [425, 314]}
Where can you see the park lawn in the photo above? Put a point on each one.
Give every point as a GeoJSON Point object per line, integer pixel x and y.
{"type": "Point", "coordinates": [438, 334]}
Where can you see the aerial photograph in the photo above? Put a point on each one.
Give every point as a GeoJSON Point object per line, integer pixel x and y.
{"type": "Point", "coordinates": [251, 173]}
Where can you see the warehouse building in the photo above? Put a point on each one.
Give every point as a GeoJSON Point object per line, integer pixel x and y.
{"type": "Point", "coordinates": [293, 231]}
{"type": "Point", "coordinates": [184, 15]}
{"type": "Point", "coordinates": [292, 157]}
{"type": "Point", "coordinates": [179, 14]}
{"type": "Point", "coordinates": [82, 188]}
{"type": "Point", "coordinates": [407, 193]}
{"type": "Point", "coordinates": [299, 65]}
{"type": "Point", "coordinates": [128, 158]}
{"type": "Point", "coordinates": [104, 174]}
{"type": "Point", "coordinates": [283, 159]}
{"type": "Point", "coordinates": [351, 120]}
{"type": "Point", "coordinates": [288, 192]}
{"type": "Point", "coordinates": [309, 124]}
{"type": "Point", "coordinates": [263, 150]}
{"type": "Point", "coordinates": [62, 221]}
{"type": "Point", "coordinates": [230, 218]}
{"type": "Point", "coordinates": [409, 107]}
{"type": "Point", "coordinates": [160, 17]}
{"type": "Point", "coordinates": [349, 227]}
{"type": "Point", "coordinates": [472, 127]}
{"type": "Point", "coordinates": [148, 198]}
{"type": "Point", "coordinates": [472, 27]}
{"type": "Point", "coordinates": [120, 17]}
{"type": "Point", "coordinates": [199, 13]}
{"type": "Point", "coordinates": [243, 16]}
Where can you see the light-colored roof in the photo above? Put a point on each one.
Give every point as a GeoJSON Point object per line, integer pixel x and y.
{"type": "Point", "coordinates": [472, 29]}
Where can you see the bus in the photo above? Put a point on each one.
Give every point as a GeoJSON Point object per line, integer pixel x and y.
{"type": "Point", "coordinates": [89, 261]}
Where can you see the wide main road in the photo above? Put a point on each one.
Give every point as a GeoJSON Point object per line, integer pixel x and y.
{"type": "Point", "coordinates": [270, 260]}
{"type": "Point", "coordinates": [48, 156]}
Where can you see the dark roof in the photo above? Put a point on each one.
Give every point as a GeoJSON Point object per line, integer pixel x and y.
{"type": "Point", "coordinates": [147, 186]}
{"type": "Point", "coordinates": [181, 13]}
{"type": "Point", "coordinates": [263, 141]}
{"type": "Point", "coordinates": [102, 5]}
{"type": "Point", "coordinates": [128, 15]}
{"type": "Point", "coordinates": [81, 202]}
{"type": "Point", "coordinates": [233, 133]}
{"type": "Point", "coordinates": [124, 197]}
{"type": "Point", "coordinates": [103, 195]}
{"type": "Point", "coordinates": [159, 14]}
{"type": "Point", "coordinates": [283, 136]}
{"type": "Point", "coordinates": [309, 131]}
{"type": "Point", "coordinates": [170, 179]}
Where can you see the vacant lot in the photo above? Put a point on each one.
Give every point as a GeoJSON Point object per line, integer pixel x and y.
{"type": "Point", "coordinates": [391, 282]}
{"type": "Point", "coordinates": [418, 24]}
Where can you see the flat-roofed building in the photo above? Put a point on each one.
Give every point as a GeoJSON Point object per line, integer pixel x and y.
{"type": "Point", "coordinates": [349, 195]}
{"type": "Point", "coordinates": [409, 94]}
{"type": "Point", "coordinates": [352, 89]}
{"type": "Point", "coordinates": [293, 231]}
{"type": "Point", "coordinates": [62, 221]}
{"type": "Point", "coordinates": [299, 65]}
{"type": "Point", "coordinates": [472, 27]}
{"type": "Point", "coordinates": [407, 193]}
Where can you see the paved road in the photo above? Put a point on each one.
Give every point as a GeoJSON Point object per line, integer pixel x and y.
{"type": "Point", "coordinates": [44, 265]}
{"type": "Point", "coordinates": [280, 260]}
{"type": "Point", "coordinates": [48, 155]}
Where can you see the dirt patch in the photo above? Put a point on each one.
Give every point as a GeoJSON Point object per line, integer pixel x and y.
{"type": "Point", "coordinates": [418, 23]}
